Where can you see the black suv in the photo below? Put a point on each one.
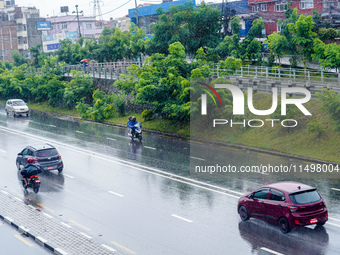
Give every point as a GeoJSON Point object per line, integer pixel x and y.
{"type": "Point", "coordinates": [45, 155]}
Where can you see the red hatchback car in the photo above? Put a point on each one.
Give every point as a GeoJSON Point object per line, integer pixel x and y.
{"type": "Point", "coordinates": [287, 204]}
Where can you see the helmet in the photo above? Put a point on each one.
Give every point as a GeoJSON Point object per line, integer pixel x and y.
{"type": "Point", "coordinates": [30, 160]}
{"type": "Point", "coordinates": [133, 118]}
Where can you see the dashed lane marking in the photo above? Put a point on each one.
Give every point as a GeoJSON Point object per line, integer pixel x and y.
{"type": "Point", "coordinates": [80, 132]}
{"type": "Point", "coordinates": [79, 225]}
{"type": "Point", "coordinates": [46, 208]}
{"type": "Point", "coordinates": [24, 241]}
{"type": "Point", "coordinates": [151, 148]}
{"type": "Point", "coordinates": [202, 159]}
{"type": "Point", "coordinates": [3, 151]}
{"type": "Point", "coordinates": [52, 126]}
{"type": "Point", "coordinates": [112, 139]}
{"type": "Point", "coordinates": [69, 176]}
{"type": "Point", "coordinates": [333, 219]}
{"type": "Point", "coordinates": [330, 223]}
{"type": "Point", "coordinates": [117, 194]}
{"type": "Point", "coordinates": [181, 218]}
{"type": "Point", "coordinates": [335, 189]}
{"type": "Point", "coordinates": [124, 248]}
{"type": "Point", "coordinates": [271, 251]}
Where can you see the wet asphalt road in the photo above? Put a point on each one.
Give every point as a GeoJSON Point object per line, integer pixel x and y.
{"type": "Point", "coordinates": [112, 190]}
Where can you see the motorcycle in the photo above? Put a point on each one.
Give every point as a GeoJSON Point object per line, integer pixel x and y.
{"type": "Point", "coordinates": [136, 132]}
{"type": "Point", "coordinates": [33, 182]}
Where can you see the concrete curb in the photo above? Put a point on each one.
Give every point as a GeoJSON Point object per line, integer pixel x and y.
{"type": "Point", "coordinates": [46, 230]}
{"type": "Point", "coordinates": [38, 239]}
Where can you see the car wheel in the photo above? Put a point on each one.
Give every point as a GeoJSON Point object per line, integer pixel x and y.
{"type": "Point", "coordinates": [321, 223]}
{"type": "Point", "coordinates": [7, 112]}
{"type": "Point", "coordinates": [18, 165]}
{"type": "Point", "coordinates": [243, 212]}
{"type": "Point", "coordinates": [60, 169]}
{"type": "Point", "coordinates": [284, 225]}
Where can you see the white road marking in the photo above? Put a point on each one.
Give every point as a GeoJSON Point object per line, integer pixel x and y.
{"type": "Point", "coordinates": [89, 237]}
{"type": "Point", "coordinates": [5, 192]}
{"type": "Point", "coordinates": [52, 126]}
{"type": "Point", "coordinates": [151, 148]}
{"type": "Point", "coordinates": [117, 194]}
{"type": "Point", "coordinates": [66, 225]}
{"type": "Point", "coordinates": [69, 176]}
{"type": "Point", "coordinates": [80, 132]}
{"type": "Point", "coordinates": [336, 225]}
{"type": "Point", "coordinates": [3, 151]}
{"type": "Point", "coordinates": [112, 139]}
{"type": "Point", "coordinates": [198, 158]}
{"type": "Point", "coordinates": [18, 199]}
{"type": "Point", "coordinates": [333, 219]}
{"type": "Point", "coordinates": [271, 251]}
{"type": "Point", "coordinates": [47, 215]}
{"type": "Point", "coordinates": [108, 247]}
{"type": "Point", "coordinates": [335, 189]}
{"type": "Point", "coordinates": [181, 218]}
{"type": "Point", "coordinates": [136, 166]}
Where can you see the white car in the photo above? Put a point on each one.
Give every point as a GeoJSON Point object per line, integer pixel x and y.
{"type": "Point", "coordinates": [17, 107]}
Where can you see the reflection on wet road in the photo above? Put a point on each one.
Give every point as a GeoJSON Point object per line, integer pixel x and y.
{"type": "Point", "coordinates": [145, 198]}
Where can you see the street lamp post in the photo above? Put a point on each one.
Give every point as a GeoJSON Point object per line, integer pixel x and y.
{"type": "Point", "coordinates": [78, 19]}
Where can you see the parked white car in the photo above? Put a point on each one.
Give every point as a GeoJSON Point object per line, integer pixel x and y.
{"type": "Point", "coordinates": [17, 107]}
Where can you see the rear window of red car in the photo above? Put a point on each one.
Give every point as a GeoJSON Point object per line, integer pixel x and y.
{"type": "Point", "coordinates": [305, 197]}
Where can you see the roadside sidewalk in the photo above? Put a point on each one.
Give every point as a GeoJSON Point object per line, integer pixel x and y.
{"type": "Point", "coordinates": [47, 231]}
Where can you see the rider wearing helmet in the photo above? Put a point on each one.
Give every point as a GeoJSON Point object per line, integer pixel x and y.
{"type": "Point", "coordinates": [29, 170]}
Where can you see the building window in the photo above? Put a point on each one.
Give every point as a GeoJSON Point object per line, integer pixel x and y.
{"type": "Point", "coordinates": [88, 24]}
{"type": "Point", "coordinates": [328, 3]}
{"type": "Point", "coordinates": [64, 25]}
{"type": "Point", "coordinates": [256, 8]}
{"type": "Point", "coordinates": [278, 27]}
{"type": "Point", "coordinates": [52, 26]}
{"type": "Point", "coordinates": [264, 7]}
{"type": "Point", "coordinates": [280, 7]}
{"type": "Point", "coordinates": [306, 4]}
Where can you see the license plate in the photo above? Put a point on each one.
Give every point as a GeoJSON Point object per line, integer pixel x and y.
{"type": "Point", "coordinates": [37, 181]}
{"type": "Point", "coordinates": [313, 221]}
{"type": "Point", "coordinates": [49, 167]}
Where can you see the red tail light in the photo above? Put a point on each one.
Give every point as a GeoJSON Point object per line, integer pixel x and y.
{"type": "Point", "coordinates": [36, 160]}
{"type": "Point", "coordinates": [293, 208]}
{"type": "Point", "coordinates": [34, 176]}
{"type": "Point", "coordinates": [59, 156]}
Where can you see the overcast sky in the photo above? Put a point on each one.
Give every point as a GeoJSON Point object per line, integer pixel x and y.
{"type": "Point", "coordinates": [109, 8]}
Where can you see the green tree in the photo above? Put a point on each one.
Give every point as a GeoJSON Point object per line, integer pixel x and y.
{"type": "Point", "coordinates": [193, 27]}
{"type": "Point", "coordinates": [303, 35]}
{"type": "Point", "coordinates": [278, 45]}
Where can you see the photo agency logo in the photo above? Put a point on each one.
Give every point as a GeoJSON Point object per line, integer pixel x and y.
{"type": "Point", "coordinates": [238, 105]}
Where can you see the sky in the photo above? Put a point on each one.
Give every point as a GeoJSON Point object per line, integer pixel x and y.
{"type": "Point", "coordinates": [109, 8]}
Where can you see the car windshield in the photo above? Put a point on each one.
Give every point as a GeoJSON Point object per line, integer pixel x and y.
{"type": "Point", "coordinates": [19, 103]}
{"type": "Point", "coordinates": [306, 197]}
{"type": "Point", "coordinates": [47, 153]}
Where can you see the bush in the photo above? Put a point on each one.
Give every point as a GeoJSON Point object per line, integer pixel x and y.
{"type": "Point", "coordinates": [147, 115]}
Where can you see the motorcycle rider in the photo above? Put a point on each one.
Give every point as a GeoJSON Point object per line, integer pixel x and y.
{"type": "Point", "coordinates": [131, 124]}
{"type": "Point", "coordinates": [29, 170]}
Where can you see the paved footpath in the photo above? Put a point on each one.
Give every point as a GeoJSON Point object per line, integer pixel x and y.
{"type": "Point", "coordinates": [50, 233]}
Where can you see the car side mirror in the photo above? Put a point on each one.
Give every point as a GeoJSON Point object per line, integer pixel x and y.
{"type": "Point", "coordinates": [19, 154]}
{"type": "Point", "coordinates": [251, 196]}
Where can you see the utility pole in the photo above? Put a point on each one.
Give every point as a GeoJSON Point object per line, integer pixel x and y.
{"type": "Point", "coordinates": [137, 24]}
{"type": "Point", "coordinates": [78, 19]}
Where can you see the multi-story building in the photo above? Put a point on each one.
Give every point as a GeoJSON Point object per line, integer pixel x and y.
{"type": "Point", "coordinates": [18, 29]}
{"type": "Point", "coordinates": [272, 10]}
{"type": "Point", "coordinates": [68, 27]}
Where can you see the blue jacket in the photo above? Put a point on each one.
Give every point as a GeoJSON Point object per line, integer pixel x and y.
{"type": "Point", "coordinates": [131, 124]}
